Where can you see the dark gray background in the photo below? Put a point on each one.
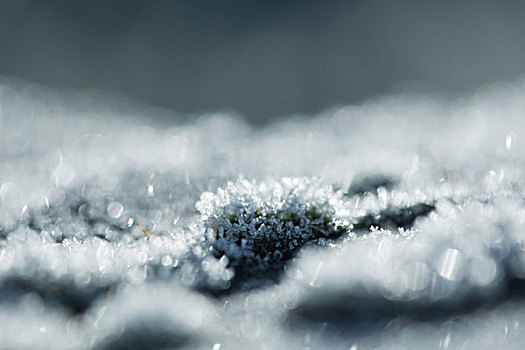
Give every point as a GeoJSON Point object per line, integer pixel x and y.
{"type": "Point", "coordinates": [262, 58]}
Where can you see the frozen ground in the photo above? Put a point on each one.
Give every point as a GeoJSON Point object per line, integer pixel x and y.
{"type": "Point", "coordinates": [397, 223]}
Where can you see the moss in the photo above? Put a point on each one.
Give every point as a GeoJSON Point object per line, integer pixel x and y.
{"type": "Point", "coordinates": [266, 240]}
{"type": "Point", "coordinates": [282, 232]}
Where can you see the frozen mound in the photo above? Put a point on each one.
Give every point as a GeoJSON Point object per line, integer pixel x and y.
{"type": "Point", "coordinates": [257, 226]}
{"type": "Point", "coordinates": [397, 223]}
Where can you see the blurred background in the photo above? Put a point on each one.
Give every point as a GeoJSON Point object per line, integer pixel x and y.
{"type": "Point", "coordinates": [262, 59]}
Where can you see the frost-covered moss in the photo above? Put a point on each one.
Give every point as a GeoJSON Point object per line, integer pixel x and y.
{"type": "Point", "coordinates": [277, 235]}
{"type": "Point", "coordinates": [257, 224]}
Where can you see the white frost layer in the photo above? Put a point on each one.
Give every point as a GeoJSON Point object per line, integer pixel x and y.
{"type": "Point", "coordinates": [74, 186]}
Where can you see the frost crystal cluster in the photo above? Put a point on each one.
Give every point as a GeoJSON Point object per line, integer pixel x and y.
{"type": "Point", "coordinates": [256, 223]}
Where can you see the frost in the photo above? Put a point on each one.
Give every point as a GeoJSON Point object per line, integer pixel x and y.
{"type": "Point", "coordinates": [257, 225]}
{"type": "Point", "coordinates": [395, 223]}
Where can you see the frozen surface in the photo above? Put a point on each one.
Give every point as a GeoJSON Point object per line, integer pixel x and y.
{"type": "Point", "coordinates": [397, 223]}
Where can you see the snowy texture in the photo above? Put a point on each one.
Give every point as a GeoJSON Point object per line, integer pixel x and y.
{"type": "Point", "coordinates": [396, 223]}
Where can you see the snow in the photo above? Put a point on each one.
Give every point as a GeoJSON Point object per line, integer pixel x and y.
{"type": "Point", "coordinates": [396, 223]}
